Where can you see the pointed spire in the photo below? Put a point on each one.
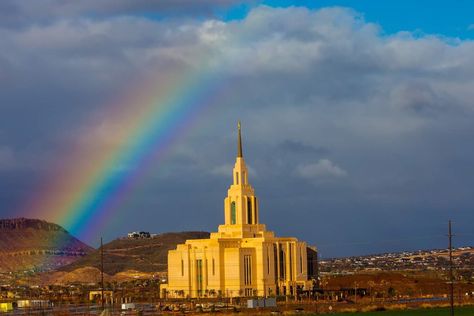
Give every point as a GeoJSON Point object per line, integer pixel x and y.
{"type": "Point", "coordinates": [239, 145]}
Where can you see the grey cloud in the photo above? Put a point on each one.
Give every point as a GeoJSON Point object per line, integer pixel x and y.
{"type": "Point", "coordinates": [21, 13]}
{"type": "Point", "coordinates": [320, 170]}
{"type": "Point", "coordinates": [298, 147]}
{"type": "Point", "coordinates": [222, 170]}
{"type": "Point", "coordinates": [225, 170]}
{"type": "Point", "coordinates": [421, 98]}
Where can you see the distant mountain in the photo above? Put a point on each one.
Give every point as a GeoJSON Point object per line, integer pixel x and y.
{"type": "Point", "coordinates": [137, 254]}
{"type": "Point", "coordinates": [37, 245]}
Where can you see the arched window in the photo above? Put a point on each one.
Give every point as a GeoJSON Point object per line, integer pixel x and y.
{"type": "Point", "coordinates": [249, 211]}
{"type": "Point", "coordinates": [232, 213]}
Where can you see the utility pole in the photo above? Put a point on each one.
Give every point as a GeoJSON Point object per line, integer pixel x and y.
{"type": "Point", "coordinates": [102, 271]}
{"type": "Point", "coordinates": [451, 278]}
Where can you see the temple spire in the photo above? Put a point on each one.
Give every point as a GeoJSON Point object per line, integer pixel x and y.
{"type": "Point", "coordinates": [239, 145]}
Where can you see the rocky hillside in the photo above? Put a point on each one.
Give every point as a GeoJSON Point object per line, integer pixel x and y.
{"type": "Point", "coordinates": [37, 245]}
{"type": "Point", "coordinates": [142, 254]}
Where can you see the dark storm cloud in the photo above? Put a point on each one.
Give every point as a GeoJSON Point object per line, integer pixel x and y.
{"type": "Point", "coordinates": [21, 13]}
{"type": "Point", "coordinates": [300, 148]}
{"type": "Point", "coordinates": [355, 134]}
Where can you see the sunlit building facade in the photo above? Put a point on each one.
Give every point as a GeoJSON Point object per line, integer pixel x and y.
{"type": "Point", "coordinates": [242, 258]}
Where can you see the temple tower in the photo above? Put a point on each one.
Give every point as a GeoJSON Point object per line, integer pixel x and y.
{"type": "Point", "coordinates": [240, 205]}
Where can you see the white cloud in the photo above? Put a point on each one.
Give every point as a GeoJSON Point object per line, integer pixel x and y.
{"type": "Point", "coordinates": [322, 169]}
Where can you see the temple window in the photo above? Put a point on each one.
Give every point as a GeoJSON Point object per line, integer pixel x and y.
{"type": "Point", "coordinates": [268, 262]}
{"type": "Point", "coordinates": [249, 211]}
{"type": "Point", "coordinates": [232, 213]}
{"type": "Point", "coordinates": [255, 207]}
{"type": "Point", "coordinates": [301, 263]}
{"type": "Point", "coordinates": [247, 270]}
{"type": "Point", "coordinates": [199, 276]}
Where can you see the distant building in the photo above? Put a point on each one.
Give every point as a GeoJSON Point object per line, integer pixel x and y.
{"type": "Point", "coordinates": [110, 297]}
{"type": "Point", "coordinates": [242, 258]}
{"type": "Point", "coordinates": [33, 303]}
{"type": "Point", "coordinates": [133, 235]}
{"type": "Point", "coordinates": [137, 235]}
{"type": "Point", "coordinates": [6, 307]}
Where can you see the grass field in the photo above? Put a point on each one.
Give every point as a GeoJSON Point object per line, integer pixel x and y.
{"type": "Point", "coordinates": [458, 311]}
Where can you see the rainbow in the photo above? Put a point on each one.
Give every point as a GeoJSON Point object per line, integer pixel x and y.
{"type": "Point", "coordinates": [93, 181]}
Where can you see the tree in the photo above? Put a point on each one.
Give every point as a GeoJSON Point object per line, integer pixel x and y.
{"type": "Point", "coordinates": [391, 292]}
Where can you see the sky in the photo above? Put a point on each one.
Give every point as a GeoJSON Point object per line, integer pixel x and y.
{"type": "Point", "coordinates": [356, 115]}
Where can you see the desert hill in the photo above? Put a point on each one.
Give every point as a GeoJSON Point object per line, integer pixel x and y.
{"type": "Point", "coordinates": [37, 245]}
{"type": "Point", "coordinates": [140, 254]}
{"type": "Point", "coordinates": [86, 275]}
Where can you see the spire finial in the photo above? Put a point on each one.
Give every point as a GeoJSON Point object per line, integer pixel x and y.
{"type": "Point", "coordinates": [239, 145]}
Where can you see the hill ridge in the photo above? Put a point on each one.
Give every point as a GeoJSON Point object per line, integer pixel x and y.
{"type": "Point", "coordinates": [140, 254]}
{"type": "Point", "coordinates": [37, 245]}
{"type": "Point", "coordinates": [23, 222]}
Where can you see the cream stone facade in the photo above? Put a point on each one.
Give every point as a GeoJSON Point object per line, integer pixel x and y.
{"type": "Point", "coordinates": [242, 258]}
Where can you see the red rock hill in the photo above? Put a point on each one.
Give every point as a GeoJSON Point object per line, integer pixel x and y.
{"type": "Point", "coordinates": [37, 245]}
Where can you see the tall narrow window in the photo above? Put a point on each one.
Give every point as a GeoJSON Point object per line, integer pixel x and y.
{"type": "Point", "coordinates": [182, 267]}
{"type": "Point", "coordinates": [199, 276]}
{"type": "Point", "coordinates": [236, 178]}
{"type": "Point", "coordinates": [213, 267]}
{"type": "Point", "coordinates": [282, 263]}
{"type": "Point", "coordinates": [275, 261]}
{"type": "Point", "coordinates": [249, 211]}
{"type": "Point", "coordinates": [247, 270]}
{"type": "Point", "coordinates": [268, 263]}
{"type": "Point", "coordinates": [232, 213]}
{"type": "Point", "coordinates": [291, 261]}
{"type": "Point", "coordinates": [301, 263]}
{"type": "Point", "coordinates": [207, 272]}
{"type": "Point", "coordinates": [255, 208]}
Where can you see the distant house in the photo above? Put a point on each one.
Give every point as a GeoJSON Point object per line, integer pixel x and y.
{"type": "Point", "coordinates": [133, 235]}
{"type": "Point", "coordinates": [145, 235]}
{"type": "Point", "coordinates": [137, 235]}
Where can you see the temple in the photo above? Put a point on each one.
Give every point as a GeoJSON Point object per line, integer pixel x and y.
{"type": "Point", "coordinates": [242, 258]}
